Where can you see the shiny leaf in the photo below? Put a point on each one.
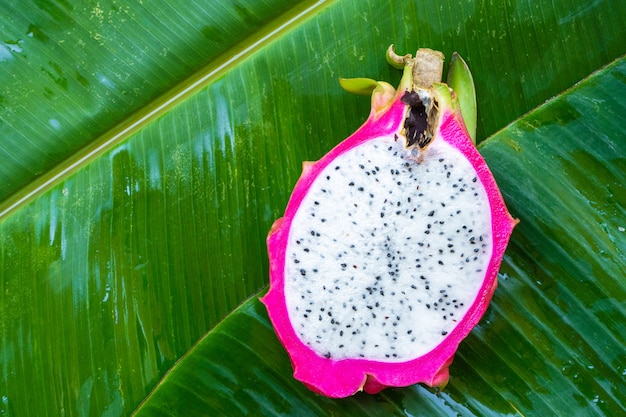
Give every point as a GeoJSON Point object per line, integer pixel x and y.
{"type": "Point", "coordinates": [147, 146]}
{"type": "Point", "coordinates": [553, 342]}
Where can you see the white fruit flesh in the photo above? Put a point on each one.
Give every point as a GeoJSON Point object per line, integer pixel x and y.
{"type": "Point", "coordinates": [386, 254]}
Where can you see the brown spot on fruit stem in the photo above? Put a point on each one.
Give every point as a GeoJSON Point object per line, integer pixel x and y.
{"type": "Point", "coordinates": [427, 68]}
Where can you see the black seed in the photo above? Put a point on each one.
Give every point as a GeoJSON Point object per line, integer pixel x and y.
{"type": "Point", "coordinates": [443, 333]}
{"type": "Point", "coordinates": [302, 272]}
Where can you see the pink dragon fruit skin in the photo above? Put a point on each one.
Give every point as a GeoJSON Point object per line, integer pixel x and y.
{"type": "Point", "coordinates": [341, 377]}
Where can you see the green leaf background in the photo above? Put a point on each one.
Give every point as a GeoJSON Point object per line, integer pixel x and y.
{"type": "Point", "coordinates": [147, 146]}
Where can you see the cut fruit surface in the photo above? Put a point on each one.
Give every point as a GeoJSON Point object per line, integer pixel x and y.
{"type": "Point", "coordinates": [388, 252]}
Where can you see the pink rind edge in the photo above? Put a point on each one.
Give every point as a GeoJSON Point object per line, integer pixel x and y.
{"type": "Point", "coordinates": [342, 378]}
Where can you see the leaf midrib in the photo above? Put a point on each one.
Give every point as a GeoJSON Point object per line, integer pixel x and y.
{"type": "Point", "coordinates": [164, 103]}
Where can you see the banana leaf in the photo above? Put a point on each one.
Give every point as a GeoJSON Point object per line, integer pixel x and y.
{"type": "Point", "coordinates": [554, 339]}
{"type": "Point", "coordinates": [146, 148]}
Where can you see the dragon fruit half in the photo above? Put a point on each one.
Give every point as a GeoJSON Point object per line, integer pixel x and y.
{"type": "Point", "coordinates": [388, 252]}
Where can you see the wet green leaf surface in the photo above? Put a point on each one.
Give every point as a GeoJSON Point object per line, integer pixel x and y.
{"type": "Point", "coordinates": [552, 342]}
{"type": "Point", "coordinates": [147, 147]}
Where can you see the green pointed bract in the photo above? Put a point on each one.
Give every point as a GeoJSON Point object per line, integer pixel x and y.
{"type": "Point", "coordinates": [461, 81]}
{"type": "Point", "coordinates": [362, 86]}
{"type": "Point", "coordinates": [382, 92]}
{"type": "Point", "coordinates": [396, 60]}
